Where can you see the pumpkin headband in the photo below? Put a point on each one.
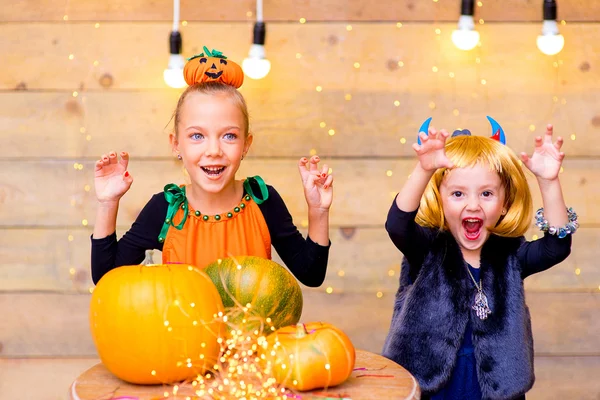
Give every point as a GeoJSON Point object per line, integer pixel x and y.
{"type": "Point", "coordinates": [212, 66]}
{"type": "Point", "coordinates": [497, 131]}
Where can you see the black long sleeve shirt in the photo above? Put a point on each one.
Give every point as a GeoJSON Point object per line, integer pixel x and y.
{"type": "Point", "coordinates": [306, 259]}
{"type": "Point", "coordinates": [413, 241]}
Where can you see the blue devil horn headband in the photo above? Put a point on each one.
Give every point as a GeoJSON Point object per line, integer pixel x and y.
{"type": "Point", "coordinates": [497, 131]}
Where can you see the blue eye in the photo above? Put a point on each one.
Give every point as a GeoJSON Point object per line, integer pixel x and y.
{"type": "Point", "coordinates": [196, 136]}
{"type": "Point", "coordinates": [230, 136]}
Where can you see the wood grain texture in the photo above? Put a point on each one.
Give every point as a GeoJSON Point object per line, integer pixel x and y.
{"type": "Point", "coordinates": [41, 378]}
{"type": "Point", "coordinates": [53, 325]}
{"type": "Point", "coordinates": [284, 123]}
{"type": "Point", "coordinates": [401, 386]}
{"type": "Point", "coordinates": [53, 192]}
{"type": "Point", "coordinates": [290, 10]}
{"type": "Point", "coordinates": [361, 260]}
{"type": "Point", "coordinates": [556, 377]}
{"type": "Point", "coordinates": [566, 378]}
{"type": "Point", "coordinates": [133, 55]}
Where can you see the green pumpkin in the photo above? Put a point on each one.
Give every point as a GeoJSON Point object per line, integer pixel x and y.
{"type": "Point", "coordinates": [270, 289]}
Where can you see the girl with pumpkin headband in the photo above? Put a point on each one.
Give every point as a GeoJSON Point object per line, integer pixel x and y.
{"type": "Point", "coordinates": [215, 216]}
{"type": "Point", "coordinates": [460, 323]}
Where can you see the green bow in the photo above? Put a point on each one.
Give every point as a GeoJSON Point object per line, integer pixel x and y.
{"type": "Point", "coordinates": [213, 53]}
{"type": "Point", "coordinates": [175, 196]}
{"type": "Point", "coordinates": [261, 185]}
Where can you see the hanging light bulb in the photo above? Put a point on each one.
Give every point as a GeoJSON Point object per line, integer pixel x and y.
{"type": "Point", "coordinates": [173, 75]}
{"type": "Point", "coordinates": [256, 66]}
{"type": "Point", "coordinates": [466, 37]}
{"type": "Point", "coordinates": [550, 42]}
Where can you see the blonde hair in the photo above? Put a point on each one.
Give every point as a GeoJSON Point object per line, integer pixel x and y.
{"type": "Point", "coordinates": [467, 151]}
{"type": "Point", "coordinates": [211, 89]}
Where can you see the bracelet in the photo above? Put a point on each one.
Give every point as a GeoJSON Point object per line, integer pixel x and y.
{"type": "Point", "coordinates": [561, 232]}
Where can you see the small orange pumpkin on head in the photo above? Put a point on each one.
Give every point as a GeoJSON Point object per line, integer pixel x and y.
{"type": "Point", "coordinates": [212, 66]}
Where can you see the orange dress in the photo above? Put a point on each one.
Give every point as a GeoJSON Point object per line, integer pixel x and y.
{"type": "Point", "coordinates": [194, 238]}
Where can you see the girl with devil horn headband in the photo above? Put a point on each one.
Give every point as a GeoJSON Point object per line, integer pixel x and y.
{"type": "Point", "coordinates": [460, 323]}
{"type": "Point", "coordinates": [216, 215]}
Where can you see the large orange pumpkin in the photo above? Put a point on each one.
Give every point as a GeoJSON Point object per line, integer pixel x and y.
{"type": "Point", "coordinates": [212, 67]}
{"type": "Point", "coordinates": [315, 355]}
{"type": "Point", "coordinates": [156, 323]}
{"type": "Point", "coordinates": [270, 289]}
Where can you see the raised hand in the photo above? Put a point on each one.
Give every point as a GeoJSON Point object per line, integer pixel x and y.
{"type": "Point", "coordinates": [547, 158]}
{"type": "Point", "coordinates": [111, 178]}
{"type": "Point", "coordinates": [317, 183]}
{"type": "Point", "coordinates": [430, 152]}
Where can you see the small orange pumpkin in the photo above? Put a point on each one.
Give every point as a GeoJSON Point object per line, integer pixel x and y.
{"type": "Point", "coordinates": [315, 355]}
{"type": "Point", "coordinates": [213, 66]}
{"type": "Point", "coordinates": [155, 324]}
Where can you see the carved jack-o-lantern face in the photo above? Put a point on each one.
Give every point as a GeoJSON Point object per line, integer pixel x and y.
{"type": "Point", "coordinates": [213, 66]}
{"type": "Point", "coordinates": [215, 70]}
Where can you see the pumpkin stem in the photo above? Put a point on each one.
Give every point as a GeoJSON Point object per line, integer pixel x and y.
{"type": "Point", "coordinates": [301, 330]}
{"type": "Point", "coordinates": [208, 53]}
{"type": "Point", "coordinates": [213, 53]}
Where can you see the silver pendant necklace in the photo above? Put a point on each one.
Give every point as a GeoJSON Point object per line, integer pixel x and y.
{"type": "Point", "coordinates": [480, 305]}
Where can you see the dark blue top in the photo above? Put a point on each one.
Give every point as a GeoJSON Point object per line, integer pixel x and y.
{"type": "Point", "coordinates": [463, 384]}
{"type": "Point", "coordinates": [534, 257]}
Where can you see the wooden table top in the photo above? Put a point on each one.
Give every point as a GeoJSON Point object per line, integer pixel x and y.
{"type": "Point", "coordinates": [374, 377]}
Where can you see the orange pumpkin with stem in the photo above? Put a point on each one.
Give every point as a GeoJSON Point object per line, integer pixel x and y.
{"type": "Point", "coordinates": [155, 324]}
{"type": "Point", "coordinates": [212, 66]}
{"type": "Point", "coordinates": [310, 356]}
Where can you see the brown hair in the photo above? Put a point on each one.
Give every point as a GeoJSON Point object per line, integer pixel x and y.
{"type": "Point", "coordinates": [212, 89]}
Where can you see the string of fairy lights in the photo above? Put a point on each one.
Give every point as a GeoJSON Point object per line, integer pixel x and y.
{"type": "Point", "coordinates": [385, 278]}
{"type": "Point", "coordinates": [552, 47]}
{"type": "Point", "coordinates": [79, 274]}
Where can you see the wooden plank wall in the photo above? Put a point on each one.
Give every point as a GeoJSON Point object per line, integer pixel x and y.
{"type": "Point", "coordinates": [58, 113]}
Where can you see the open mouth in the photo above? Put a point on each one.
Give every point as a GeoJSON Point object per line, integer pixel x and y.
{"type": "Point", "coordinates": [214, 75]}
{"type": "Point", "coordinates": [213, 172]}
{"type": "Point", "coordinates": [472, 227]}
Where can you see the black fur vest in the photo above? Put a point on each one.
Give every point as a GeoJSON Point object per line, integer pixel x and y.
{"type": "Point", "coordinates": [432, 308]}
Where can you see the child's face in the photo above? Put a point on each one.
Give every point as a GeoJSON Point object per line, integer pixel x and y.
{"type": "Point", "coordinates": [211, 140]}
{"type": "Point", "coordinates": [473, 200]}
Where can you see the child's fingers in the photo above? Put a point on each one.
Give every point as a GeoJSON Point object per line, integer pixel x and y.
{"type": "Point", "coordinates": [302, 167]}
{"type": "Point", "coordinates": [324, 171]}
{"type": "Point", "coordinates": [328, 182]}
{"type": "Point", "coordinates": [112, 157]}
{"type": "Point", "coordinates": [124, 159]}
{"type": "Point", "coordinates": [105, 160]}
{"type": "Point", "coordinates": [423, 136]}
{"type": "Point", "coordinates": [127, 177]}
{"type": "Point", "coordinates": [416, 148]}
{"type": "Point", "coordinates": [314, 161]}
{"type": "Point", "coordinates": [559, 143]}
{"type": "Point", "coordinates": [311, 181]}
{"type": "Point", "coordinates": [99, 165]}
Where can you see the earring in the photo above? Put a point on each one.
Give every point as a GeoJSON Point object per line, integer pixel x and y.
{"type": "Point", "coordinates": [179, 157]}
{"type": "Point", "coordinates": [242, 156]}
{"type": "Point", "coordinates": [504, 211]}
